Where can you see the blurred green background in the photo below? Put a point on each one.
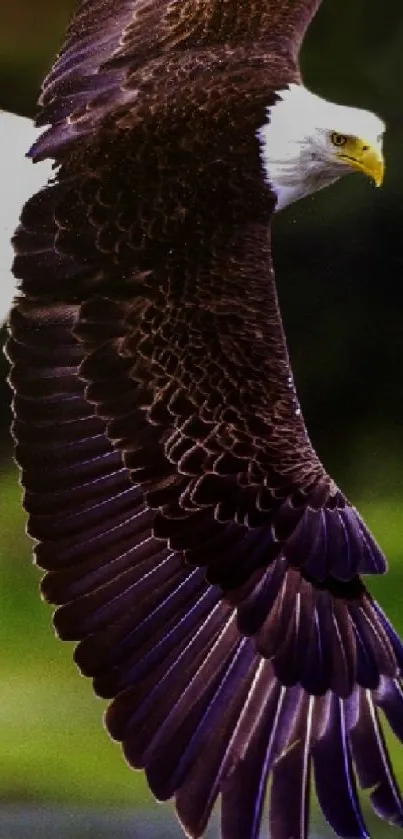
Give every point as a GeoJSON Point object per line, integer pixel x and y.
{"type": "Point", "coordinates": [339, 262]}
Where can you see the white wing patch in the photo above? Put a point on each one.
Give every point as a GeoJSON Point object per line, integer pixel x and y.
{"type": "Point", "coordinates": [19, 179]}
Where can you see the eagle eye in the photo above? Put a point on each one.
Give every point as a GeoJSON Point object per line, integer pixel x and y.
{"type": "Point", "coordinates": [338, 139]}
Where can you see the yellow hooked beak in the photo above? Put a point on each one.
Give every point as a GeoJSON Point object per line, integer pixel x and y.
{"type": "Point", "coordinates": [363, 156]}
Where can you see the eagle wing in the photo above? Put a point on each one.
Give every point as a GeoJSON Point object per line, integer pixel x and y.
{"type": "Point", "coordinates": [110, 46]}
{"type": "Point", "coordinates": [194, 544]}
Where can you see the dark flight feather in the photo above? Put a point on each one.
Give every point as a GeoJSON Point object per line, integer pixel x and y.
{"type": "Point", "coordinates": [111, 48]}
{"type": "Point", "coordinates": [194, 545]}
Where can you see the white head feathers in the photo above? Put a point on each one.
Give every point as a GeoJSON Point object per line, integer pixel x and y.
{"type": "Point", "coordinates": [297, 151]}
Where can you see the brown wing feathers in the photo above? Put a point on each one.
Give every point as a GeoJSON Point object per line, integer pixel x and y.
{"type": "Point", "coordinates": [111, 50]}
{"type": "Point", "coordinates": [193, 543]}
{"type": "Point", "coordinates": [109, 36]}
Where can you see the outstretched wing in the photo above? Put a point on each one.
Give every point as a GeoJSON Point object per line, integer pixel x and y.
{"type": "Point", "coordinates": [193, 542]}
{"type": "Point", "coordinates": [111, 48]}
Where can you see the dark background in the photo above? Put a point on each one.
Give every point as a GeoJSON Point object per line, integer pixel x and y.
{"type": "Point", "coordinates": [339, 265]}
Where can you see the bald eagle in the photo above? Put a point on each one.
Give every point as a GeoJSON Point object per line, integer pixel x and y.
{"type": "Point", "coordinates": [194, 545]}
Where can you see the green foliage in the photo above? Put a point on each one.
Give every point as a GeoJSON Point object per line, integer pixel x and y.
{"type": "Point", "coordinates": [52, 737]}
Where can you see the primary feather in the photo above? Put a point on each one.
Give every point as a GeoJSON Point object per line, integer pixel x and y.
{"type": "Point", "coordinates": [195, 547]}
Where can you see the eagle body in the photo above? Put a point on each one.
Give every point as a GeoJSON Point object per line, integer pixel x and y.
{"type": "Point", "coordinates": [193, 543]}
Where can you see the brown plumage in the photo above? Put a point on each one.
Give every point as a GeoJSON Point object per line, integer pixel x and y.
{"type": "Point", "coordinates": [193, 542]}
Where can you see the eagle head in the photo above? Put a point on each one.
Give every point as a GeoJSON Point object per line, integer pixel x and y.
{"type": "Point", "coordinates": [308, 143]}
